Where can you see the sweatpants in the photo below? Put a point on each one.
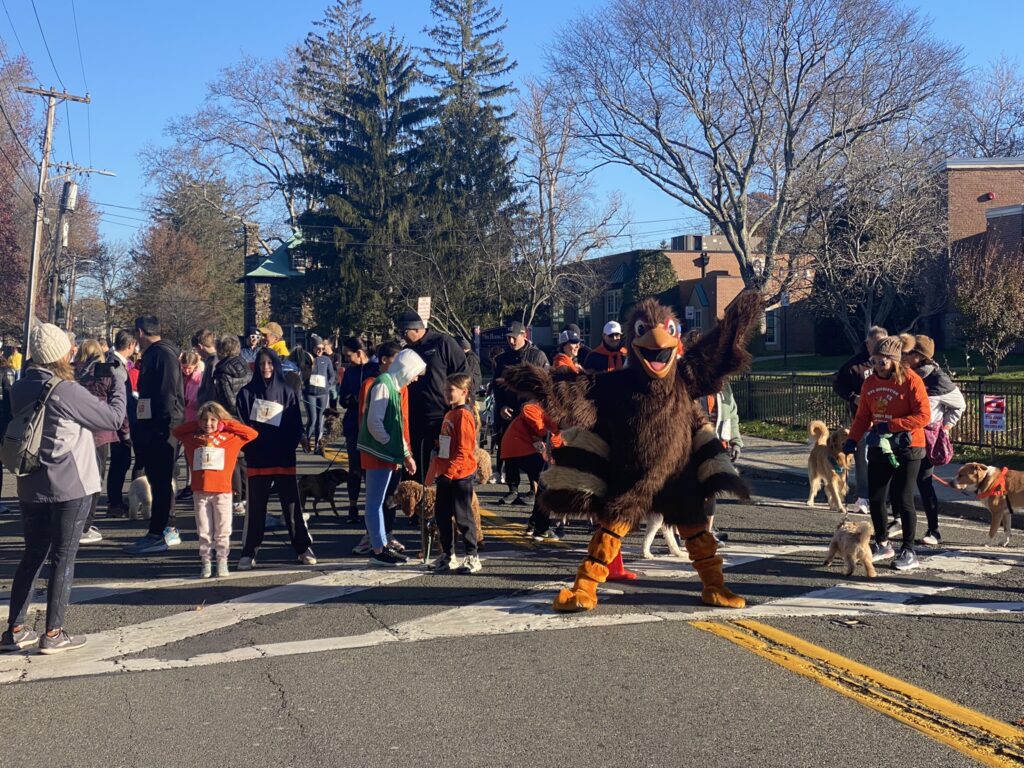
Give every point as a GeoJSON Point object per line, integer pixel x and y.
{"type": "Point", "coordinates": [157, 460]}
{"type": "Point", "coordinates": [213, 523]}
{"type": "Point", "coordinates": [120, 463]}
{"type": "Point", "coordinates": [901, 481]}
{"type": "Point", "coordinates": [287, 489]}
{"type": "Point", "coordinates": [454, 503]}
{"type": "Point", "coordinates": [49, 529]}
{"type": "Point", "coordinates": [532, 465]}
{"type": "Point", "coordinates": [926, 487]}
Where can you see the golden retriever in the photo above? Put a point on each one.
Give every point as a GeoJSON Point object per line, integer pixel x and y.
{"type": "Point", "coordinates": [850, 541]}
{"type": "Point", "coordinates": [981, 479]}
{"type": "Point", "coordinates": [827, 465]}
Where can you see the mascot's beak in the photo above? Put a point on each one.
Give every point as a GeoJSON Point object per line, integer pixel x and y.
{"type": "Point", "coordinates": [656, 350]}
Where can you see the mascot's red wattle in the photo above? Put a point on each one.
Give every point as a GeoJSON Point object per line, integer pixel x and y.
{"type": "Point", "coordinates": [636, 442]}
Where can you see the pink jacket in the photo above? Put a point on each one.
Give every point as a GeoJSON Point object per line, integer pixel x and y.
{"type": "Point", "coordinates": [192, 384]}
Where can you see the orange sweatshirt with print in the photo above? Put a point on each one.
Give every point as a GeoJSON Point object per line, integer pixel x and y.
{"type": "Point", "coordinates": [366, 461]}
{"type": "Point", "coordinates": [459, 427]}
{"type": "Point", "coordinates": [530, 426]}
{"type": "Point", "coordinates": [230, 437]}
{"type": "Point", "coordinates": [904, 406]}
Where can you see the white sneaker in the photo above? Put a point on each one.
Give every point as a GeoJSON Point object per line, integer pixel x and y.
{"type": "Point", "coordinates": [239, 509]}
{"type": "Point", "coordinates": [446, 563]}
{"type": "Point", "coordinates": [207, 570]}
{"type": "Point", "coordinates": [471, 564]}
{"type": "Point", "coordinates": [363, 547]}
{"type": "Point", "coordinates": [307, 557]}
{"type": "Point", "coordinates": [863, 506]}
{"type": "Point", "coordinates": [222, 568]}
{"type": "Point", "coordinates": [306, 516]}
{"type": "Point", "coordinates": [246, 563]}
{"type": "Point", "coordinates": [90, 535]}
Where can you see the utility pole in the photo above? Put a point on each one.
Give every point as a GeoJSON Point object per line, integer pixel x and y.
{"type": "Point", "coordinates": [52, 97]}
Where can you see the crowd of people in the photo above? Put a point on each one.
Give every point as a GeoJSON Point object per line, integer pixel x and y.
{"type": "Point", "coordinates": [233, 408]}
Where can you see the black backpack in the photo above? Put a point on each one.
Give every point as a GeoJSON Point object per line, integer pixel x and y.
{"type": "Point", "coordinates": [23, 437]}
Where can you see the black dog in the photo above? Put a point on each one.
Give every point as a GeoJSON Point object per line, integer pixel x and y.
{"type": "Point", "coordinates": [321, 487]}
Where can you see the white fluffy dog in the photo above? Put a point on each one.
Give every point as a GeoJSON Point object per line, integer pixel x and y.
{"type": "Point", "coordinates": [656, 522]}
{"type": "Point", "coordinates": [140, 498]}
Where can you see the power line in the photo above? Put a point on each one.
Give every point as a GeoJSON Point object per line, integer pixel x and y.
{"type": "Point", "coordinates": [47, 45]}
{"type": "Point", "coordinates": [15, 31]}
{"type": "Point", "coordinates": [81, 61]}
{"type": "Point", "coordinates": [17, 172]}
{"type": "Point", "coordinates": [125, 207]}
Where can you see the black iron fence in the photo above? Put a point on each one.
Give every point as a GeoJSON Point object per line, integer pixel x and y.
{"type": "Point", "coordinates": [795, 400]}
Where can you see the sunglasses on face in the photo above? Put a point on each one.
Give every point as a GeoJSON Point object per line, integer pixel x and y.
{"type": "Point", "coordinates": [614, 335]}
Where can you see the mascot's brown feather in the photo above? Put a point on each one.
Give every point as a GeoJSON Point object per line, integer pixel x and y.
{"type": "Point", "coordinates": [647, 415]}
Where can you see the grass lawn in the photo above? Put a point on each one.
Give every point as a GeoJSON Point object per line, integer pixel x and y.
{"type": "Point", "coordinates": [1011, 369]}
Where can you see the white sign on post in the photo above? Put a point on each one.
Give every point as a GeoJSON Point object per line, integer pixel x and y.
{"type": "Point", "coordinates": [423, 308]}
{"type": "Point", "coordinates": [784, 299]}
{"type": "Point", "coordinates": [994, 416]}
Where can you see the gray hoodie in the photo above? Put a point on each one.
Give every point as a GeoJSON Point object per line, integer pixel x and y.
{"type": "Point", "coordinates": [69, 469]}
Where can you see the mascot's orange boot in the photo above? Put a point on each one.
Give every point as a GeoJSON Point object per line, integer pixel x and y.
{"type": "Point", "coordinates": [602, 552]}
{"type": "Point", "coordinates": [617, 571]}
{"type": "Point", "coordinates": [702, 548]}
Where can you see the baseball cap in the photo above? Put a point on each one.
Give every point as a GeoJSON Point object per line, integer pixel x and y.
{"type": "Point", "coordinates": [273, 329]}
{"type": "Point", "coordinates": [253, 331]}
{"type": "Point", "coordinates": [568, 337]}
{"type": "Point", "coordinates": [612, 327]}
{"type": "Point", "coordinates": [515, 328]}
{"type": "Point", "coordinates": [410, 321]}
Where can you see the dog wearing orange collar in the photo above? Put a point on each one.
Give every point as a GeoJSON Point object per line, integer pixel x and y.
{"type": "Point", "coordinates": [1001, 490]}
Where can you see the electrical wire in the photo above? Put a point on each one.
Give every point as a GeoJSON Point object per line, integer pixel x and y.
{"type": "Point", "coordinates": [81, 61]}
{"type": "Point", "coordinates": [46, 45]}
{"type": "Point", "coordinates": [15, 31]}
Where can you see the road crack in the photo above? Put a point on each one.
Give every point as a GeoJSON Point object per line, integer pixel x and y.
{"type": "Point", "coordinates": [380, 622]}
{"type": "Point", "coordinates": [286, 708]}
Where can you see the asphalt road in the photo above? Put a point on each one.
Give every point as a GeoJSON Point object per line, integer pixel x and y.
{"type": "Point", "coordinates": [339, 664]}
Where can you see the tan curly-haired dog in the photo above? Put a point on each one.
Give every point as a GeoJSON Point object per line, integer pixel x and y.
{"type": "Point", "coordinates": [409, 495]}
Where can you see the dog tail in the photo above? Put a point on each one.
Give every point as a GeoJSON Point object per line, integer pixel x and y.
{"type": "Point", "coordinates": [817, 433]}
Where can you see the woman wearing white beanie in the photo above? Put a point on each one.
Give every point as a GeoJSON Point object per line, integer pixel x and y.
{"type": "Point", "coordinates": [55, 498]}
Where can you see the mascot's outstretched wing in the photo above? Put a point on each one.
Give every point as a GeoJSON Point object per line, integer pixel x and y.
{"type": "Point", "coordinates": [723, 351]}
{"type": "Point", "coordinates": [562, 394]}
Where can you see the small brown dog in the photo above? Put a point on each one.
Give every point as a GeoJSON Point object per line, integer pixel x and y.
{"type": "Point", "coordinates": [827, 465]}
{"type": "Point", "coordinates": [332, 427]}
{"type": "Point", "coordinates": [1000, 490]}
{"type": "Point", "coordinates": [850, 541]}
{"type": "Point", "coordinates": [483, 466]}
{"type": "Point", "coordinates": [321, 488]}
{"type": "Point", "coordinates": [410, 493]}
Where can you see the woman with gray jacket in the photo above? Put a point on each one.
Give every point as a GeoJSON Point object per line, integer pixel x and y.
{"type": "Point", "coordinates": [55, 498]}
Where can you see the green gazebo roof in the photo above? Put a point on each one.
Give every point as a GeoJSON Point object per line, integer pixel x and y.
{"type": "Point", "coordinates": [278, 265]}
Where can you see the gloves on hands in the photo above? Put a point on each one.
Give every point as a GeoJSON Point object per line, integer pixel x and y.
{"type": "Point", "coordinates": [734, 452]}
{"type": "Point", "coordinates": [850, 446]}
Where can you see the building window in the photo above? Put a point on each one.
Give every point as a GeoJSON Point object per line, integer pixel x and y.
{"type": "Point", "coordinates": [697, 323]}
{"type": "Point", "coordinates": [612, 304]}
{"type": "Point", "coordinates": [771, 328]}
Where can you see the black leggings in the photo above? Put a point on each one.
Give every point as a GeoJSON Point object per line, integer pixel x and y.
{"type": "Point", "coordinates": [532, 465]}
{"type": "Point", "coordinates": [454, 503]}
{"type": "Point", "coordinates": [355, 470]}
{"type": "Point", "coordinates": [926, 487]}
{"type": "Point", "coordinates": [287, 489]}
{"type": "Point", "coordinates": [882, 475]}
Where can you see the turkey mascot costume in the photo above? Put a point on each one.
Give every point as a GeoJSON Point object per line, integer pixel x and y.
{"type": "Point", "coordinates": [636, 442]}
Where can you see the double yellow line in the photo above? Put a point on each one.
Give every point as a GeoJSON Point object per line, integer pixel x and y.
{"type": "Point", "coordinates": [985, 739]}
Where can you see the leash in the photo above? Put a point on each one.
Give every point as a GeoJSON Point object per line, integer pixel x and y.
{"type": "Point", "coordinates": [949, 485]}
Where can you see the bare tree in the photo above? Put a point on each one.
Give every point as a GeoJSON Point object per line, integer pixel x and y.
{"type": "Point", "coordinates": [990, 119]}
{"type": "Point", "coordinates": [561, 227]}
{"type": "Point", "coordinates": [719, 101]}
{"type": "Point", "coordinates": [988, 282]}
{"type": "Point", "coordinates": [108, 278]}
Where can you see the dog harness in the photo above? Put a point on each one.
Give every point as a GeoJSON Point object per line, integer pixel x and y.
{"type": "Point", "coordinates": [835, 466]}
{"type": "Point", "coordinates": [998, 488]}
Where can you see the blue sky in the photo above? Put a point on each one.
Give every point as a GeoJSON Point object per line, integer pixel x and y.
{"type": "Point", "coordinates": [146, 62]}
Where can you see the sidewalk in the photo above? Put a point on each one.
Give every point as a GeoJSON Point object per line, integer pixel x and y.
{"type": "Point", "coordinates": [787, 462]}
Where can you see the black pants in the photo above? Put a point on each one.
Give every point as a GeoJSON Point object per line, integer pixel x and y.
{"type": "Point", "coordinates": [902, 479]}
{"type": "Point", "coordinates": [454, 503]}
{"type": "Point", "coordinates": [54, 530]}
{"type": "Point", "coordinates": [287, 488]}
{"type": "Point", "coordinates": [120, 463]}
{"type": "Point", "coordinates": [540, 519]}
{"type": "Point", "coordinates": [238, 485]}
{"type": "Point", "coordinates": [355, 470]}
{"type": "Point", "coordinates": [422, 438]}
{"type": "Point", "coordinates": [102, 452]}
{"type": "Point", "coordinates": [157, 458]}
{"type": "Point", "coordinates": [926, 487]}
{"type": "Point", "coordinates": [532, 465]}
{"type": "Point", "coordinates": [500, 425]}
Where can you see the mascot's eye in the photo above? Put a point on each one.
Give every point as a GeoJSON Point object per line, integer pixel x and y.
{"type": "Point", "coordinates": [640, 328]}
{"type": "Point", "coordinates": [672, 327]}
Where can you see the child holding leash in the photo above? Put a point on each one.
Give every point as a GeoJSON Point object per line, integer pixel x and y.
{"type": "Point", "coordinates": [212, 443]}
{"type": "Point", "coordinates": [454, 469]}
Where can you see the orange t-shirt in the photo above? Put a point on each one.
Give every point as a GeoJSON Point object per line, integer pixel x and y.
{"type": "Point", "coordinates": [531, 425]}
{"type": "Point", "coordinates": [459, 427]}
{"type": "Point", "coordinates": [904, 406]}
{"type": "Point", "coordinates": [225, 445]}
{"type": "Point", "coordinates": [366, 461]}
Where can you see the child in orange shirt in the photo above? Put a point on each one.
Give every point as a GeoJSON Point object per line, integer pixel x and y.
{"type": "Point", "coordinates": [454, 469]}
{"type": "Point", "coordinates": [212, 443]}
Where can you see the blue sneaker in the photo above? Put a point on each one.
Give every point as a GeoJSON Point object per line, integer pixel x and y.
{"type": "Point", "coordinates": [147, 545]}
{"type": "Point", "coordinates": [171, 537]}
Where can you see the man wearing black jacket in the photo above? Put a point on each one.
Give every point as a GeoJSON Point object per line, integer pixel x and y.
{"type": "Point", "coordinates": [160, 408]}
{"type": "Point", "coordinates": [472, 364]}
{"type": "Point", "coordinates": [428, 394]}
{"type": "Point", "coordinates": [847, 384]}
{"type": "Point", "coordinates": [121, 451]}
{"type": "Point", "coordinates": [506, 402]}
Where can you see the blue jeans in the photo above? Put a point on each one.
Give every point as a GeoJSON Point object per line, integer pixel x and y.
{"type": "Point", "coordinates": [315, 407]}
{"type": "Point", "coordinates": [54, 530]}
{"type": "Point", "coordinates": [376, 489]}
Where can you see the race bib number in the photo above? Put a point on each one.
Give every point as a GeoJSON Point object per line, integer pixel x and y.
{"type": "Point", "coordinates": [144, 409]}
{"type": "Point", "coordinates": [444, 447]}
{"type": "Point", "coordinates": [266, 412]}
{"type": "Point", "coordinates": [317, 380]}
{"type": "Point", "coordinates": [208, 458]}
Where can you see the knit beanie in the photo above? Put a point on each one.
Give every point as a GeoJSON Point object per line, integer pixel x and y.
{"type": "Point", "coordinates": [924, 346]}
{"type": "Point", "coordinates": [890, 347]}
{"type": "Point", "coordinates": [47, 344]}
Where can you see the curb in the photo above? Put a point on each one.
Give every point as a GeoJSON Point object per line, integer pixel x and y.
{"type": "Point", "coordinates": [970, 510]}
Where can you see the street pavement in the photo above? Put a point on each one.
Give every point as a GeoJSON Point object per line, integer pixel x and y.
{"type": "Point", "coordinates": [345, 665]}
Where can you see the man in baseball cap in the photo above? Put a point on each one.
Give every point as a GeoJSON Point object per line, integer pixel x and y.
{"type": "Point", "coordinates": [273, 337]}
{"type": "Point", "coordinates": [610, 354]}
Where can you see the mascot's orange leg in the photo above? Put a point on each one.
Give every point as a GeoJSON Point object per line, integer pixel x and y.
{"type": "Point", "coordinates": [702, 548]}
{"type": "Point", "coordinates": [604, 548]}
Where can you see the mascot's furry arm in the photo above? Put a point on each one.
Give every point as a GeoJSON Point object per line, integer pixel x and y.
{"type": "Point", "coordinates": [563, 395]}
{"type": "Point", "coordinates": [722, 352]}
